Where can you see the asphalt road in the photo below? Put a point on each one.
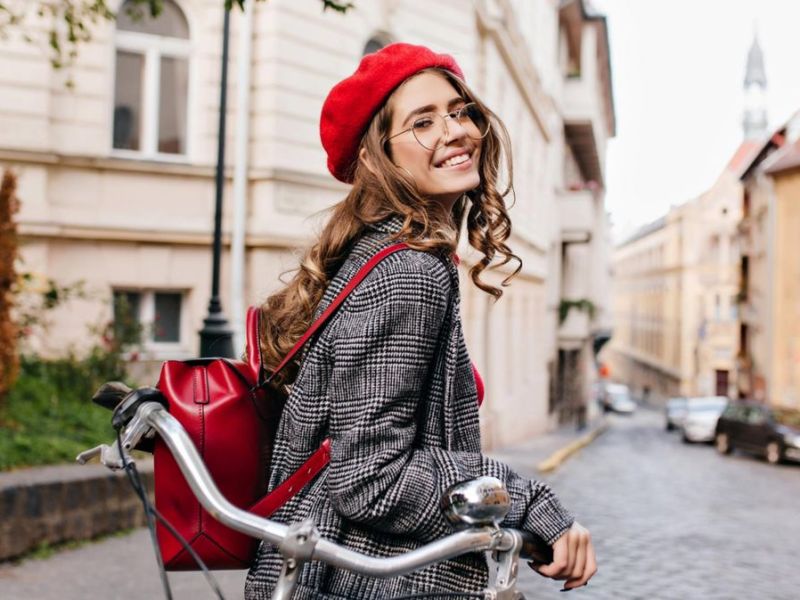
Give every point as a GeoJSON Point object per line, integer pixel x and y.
{"type": "Point", "coordinates": [669, 521]}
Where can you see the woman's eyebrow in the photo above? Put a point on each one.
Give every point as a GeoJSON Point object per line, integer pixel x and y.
{"type": "Point", "coordinates": [431, 108]}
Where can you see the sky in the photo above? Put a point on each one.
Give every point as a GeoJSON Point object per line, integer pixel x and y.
{"type": "Point", "coordinates": [678, 70]}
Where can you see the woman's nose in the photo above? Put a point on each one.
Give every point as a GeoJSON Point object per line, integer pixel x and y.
{"type": "Point", "coordinates": [453, 130]}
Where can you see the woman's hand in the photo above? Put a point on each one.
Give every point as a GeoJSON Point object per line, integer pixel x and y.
{"type": "Point", "coordinates": [573, 558]}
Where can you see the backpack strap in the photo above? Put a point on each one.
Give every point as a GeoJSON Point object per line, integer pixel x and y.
{"type": "Point", "coordinates": [272, 501]}
{"type": "Point", "coordinates": [254, 317]}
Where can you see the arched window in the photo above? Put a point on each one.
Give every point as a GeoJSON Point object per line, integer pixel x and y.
{"type": "Point", "coordinates": [151, 87]}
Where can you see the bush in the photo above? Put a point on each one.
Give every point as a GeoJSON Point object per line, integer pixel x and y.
{"type": "Point", "coordinates": [49, 417]}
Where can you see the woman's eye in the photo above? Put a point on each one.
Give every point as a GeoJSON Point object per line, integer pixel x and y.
{"type": "Point", "coordinates": [423, 123]}
{"type": "Point", "coordinates": [465, 112]}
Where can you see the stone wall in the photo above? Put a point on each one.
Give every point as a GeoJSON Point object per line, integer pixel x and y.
{"type": "Point", "coordinates": [66, 502]}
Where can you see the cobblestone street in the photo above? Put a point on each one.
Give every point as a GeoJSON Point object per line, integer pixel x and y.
{"type": "Point", "coordinates": [677, 521]}
{"type": "Point", "coordinates": [669, 520]}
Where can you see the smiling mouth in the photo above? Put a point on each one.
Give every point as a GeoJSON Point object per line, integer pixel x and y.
{"type": "Point", "coordinates": [454, 161]}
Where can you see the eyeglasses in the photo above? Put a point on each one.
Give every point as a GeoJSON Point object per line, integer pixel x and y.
{"type": "Point", "coordinates": [430, 128]}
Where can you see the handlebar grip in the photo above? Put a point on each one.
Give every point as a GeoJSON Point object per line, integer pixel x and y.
{"type": "Point", "coordinates": [535, 548]}
{"type": "Point", "coordinates": [110, 394]}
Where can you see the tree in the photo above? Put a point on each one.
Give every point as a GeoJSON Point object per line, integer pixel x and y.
{"type": "Point", "coordinates": [9, 359]}
{"type": "Point", "coordinates": [69, 22]}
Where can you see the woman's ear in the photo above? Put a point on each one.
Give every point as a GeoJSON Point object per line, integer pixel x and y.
{"type": "Point", "coordinates": [363, 156]}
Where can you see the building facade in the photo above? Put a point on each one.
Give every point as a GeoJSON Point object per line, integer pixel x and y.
{"type": "Point", "coordinates": [677, 293]}
{"type": "Point", "coordinates": [769, 334]}
{"type": "Point", "coordinates": [117, 172]}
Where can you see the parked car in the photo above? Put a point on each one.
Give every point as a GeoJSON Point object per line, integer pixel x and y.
{"type": "Point", "coordinates": [699, 423]}
{"type": "Point", "coordinates": [617, 398]}
{"type": "Point", "coordinates": [674, 412]}
{"type": "Point", "coordinates": [771, 432]}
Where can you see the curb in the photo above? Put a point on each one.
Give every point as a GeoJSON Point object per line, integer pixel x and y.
{"type": "Point", "coordinates": [557, 458]}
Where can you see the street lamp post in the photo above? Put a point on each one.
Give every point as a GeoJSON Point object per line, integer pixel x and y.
{"type": "Point", "coordinates": [216, 337]}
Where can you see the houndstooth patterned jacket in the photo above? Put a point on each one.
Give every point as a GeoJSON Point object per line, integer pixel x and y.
{"type": "Point", "coordinates": [390, 382]}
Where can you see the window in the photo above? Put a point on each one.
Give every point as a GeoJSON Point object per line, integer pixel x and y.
{"type": "Point", "coordinates": [156, 313]}
{"type": "Point", "coordinates": [151, 87]}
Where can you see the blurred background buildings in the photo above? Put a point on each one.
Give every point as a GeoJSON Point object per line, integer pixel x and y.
{"type": "Point", "coordinates": [706, 298]}
{"type": "Point", "coordinates": [116, 174]}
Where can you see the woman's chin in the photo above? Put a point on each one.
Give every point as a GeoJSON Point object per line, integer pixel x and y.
{"type": "Point", "coordinates": [455, 186]}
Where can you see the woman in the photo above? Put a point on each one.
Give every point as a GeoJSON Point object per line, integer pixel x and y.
{"type": "Point", "coordinates": [389, 379]}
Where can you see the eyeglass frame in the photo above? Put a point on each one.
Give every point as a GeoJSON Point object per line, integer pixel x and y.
{"type": "Point", "coordinates": [444, 118]}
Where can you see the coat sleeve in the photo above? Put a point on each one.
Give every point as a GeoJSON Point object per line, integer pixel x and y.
{"type": "Point", "coordinates": [384, 348]}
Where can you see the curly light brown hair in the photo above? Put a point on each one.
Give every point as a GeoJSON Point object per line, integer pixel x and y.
{"type": "Point", "coordinates": [384, 191]}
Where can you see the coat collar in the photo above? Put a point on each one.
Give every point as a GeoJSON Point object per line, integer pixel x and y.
{"type": "Point", "coordinates": [394, 223]}
{"type": "Point", "coordinates": [389, 225]}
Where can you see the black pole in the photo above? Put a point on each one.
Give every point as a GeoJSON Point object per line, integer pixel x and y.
{"type": "Point", "coordinates": [216, 338]}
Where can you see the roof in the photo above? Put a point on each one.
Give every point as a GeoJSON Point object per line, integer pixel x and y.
{"type": "Point", "coordinates": [764, 148]}
{"type": "Point", "coordinates": [743, 155]}
{"type": "Point", "coordinates": [785, 159]}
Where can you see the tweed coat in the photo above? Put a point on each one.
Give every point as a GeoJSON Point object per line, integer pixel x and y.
{"type": "Point", "coordinates": [390, 382]}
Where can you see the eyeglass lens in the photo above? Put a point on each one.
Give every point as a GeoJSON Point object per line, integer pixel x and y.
{"type": "Point", "coordinates": [431, 128]}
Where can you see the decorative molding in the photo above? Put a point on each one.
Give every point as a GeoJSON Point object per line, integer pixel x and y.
{"type": "Point", "coordinates": [52, 231]}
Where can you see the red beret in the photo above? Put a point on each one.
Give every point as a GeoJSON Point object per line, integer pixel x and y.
{"type": "Point", "coordinates": [352, 102]}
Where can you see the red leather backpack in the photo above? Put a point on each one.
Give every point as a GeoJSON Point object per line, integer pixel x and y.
{"type": "Point", "coordinates": [231, 417]}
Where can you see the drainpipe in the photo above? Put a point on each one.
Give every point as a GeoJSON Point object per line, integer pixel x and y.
{"type": "Point", "coordinates": [240, 178]}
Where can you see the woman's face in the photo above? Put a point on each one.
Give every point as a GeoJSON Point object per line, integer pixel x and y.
{"type": "Point", "coordinates": [447, 168]}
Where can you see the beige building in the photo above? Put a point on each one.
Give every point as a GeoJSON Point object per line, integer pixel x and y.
{"type": "Point", "coordinates": [676, 282]}
{"type": "Point", "coordinates": [647, 280]}
{"type": "Point", "coordinates": [769, 339]}
{"type": "Point", "coordinates": [117, 174]}
{"type": "Point", "coordinates": [675, 296]}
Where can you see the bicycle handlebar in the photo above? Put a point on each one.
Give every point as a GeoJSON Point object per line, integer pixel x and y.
{"type": "Point", "coordinates": [199, 479]}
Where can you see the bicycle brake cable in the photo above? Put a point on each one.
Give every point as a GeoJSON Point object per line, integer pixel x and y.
{"type": "Point", "coordinates": [150, 512]}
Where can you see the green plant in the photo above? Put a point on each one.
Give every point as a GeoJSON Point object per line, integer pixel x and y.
{"type": "Point", "coordinates": [49, 417]}
{"type": "Point", "coordinates": [35, 297]}
{"type": "Point", "coordinates": [583, 304]}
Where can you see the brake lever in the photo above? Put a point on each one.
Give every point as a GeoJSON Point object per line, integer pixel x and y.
{"type": "Point", "coordinates": [109, 456]}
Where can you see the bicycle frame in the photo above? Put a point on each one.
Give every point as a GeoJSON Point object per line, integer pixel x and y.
{"type": "Point", "coordinates": [301, 542]}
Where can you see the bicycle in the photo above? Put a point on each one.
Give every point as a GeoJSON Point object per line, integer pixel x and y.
{"type": "Point", "coordinates": [475, 507]}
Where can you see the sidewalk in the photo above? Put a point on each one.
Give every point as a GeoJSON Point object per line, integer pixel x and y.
{"type": "Point", "coordinates": [547, 452]}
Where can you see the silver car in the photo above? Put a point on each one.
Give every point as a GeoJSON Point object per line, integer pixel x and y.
{"type": "Point", "coordinates": [618, 399]}
{"type": "Point", "coordinates": [675, 412]}
{"type": "Point", "coordinates": [700, 421]}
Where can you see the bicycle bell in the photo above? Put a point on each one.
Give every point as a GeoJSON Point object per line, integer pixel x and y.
{"type": "Point", "coordinates": [481, 501]}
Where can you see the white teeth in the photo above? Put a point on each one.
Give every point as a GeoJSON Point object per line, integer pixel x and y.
{"type": "Point", "coordinates": [455, 160]}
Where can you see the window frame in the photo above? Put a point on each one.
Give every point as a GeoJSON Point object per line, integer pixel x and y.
{"type": "Point", "coordinates": [147, 313]}
{"type": "Point", "coordinates": [152, 48]}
